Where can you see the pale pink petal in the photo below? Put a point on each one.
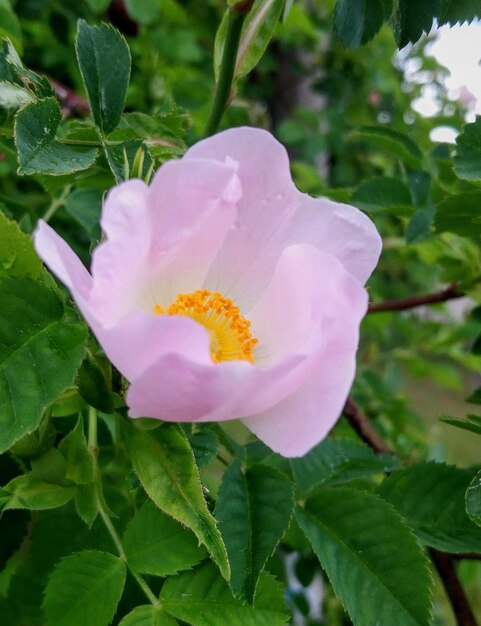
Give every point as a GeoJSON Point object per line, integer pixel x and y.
{"type": "Point", "coordinates": [177, 388]}
{"type": "Point", "coordinates": [62, 260]}
{"type": "Point", "coordinates": [273, 214]}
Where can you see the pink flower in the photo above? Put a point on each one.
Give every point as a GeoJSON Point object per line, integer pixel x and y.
{"type": "Point", "coordinates": [222, 292]}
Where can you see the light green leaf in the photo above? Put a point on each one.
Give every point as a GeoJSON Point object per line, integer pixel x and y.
{"type": "Point", "coordinates": [383, 194]}
{"type": "Point", "coordinates": [398, 144]}
{"type": "Point", "coordinates": [339, 460]}
{"type": "Point", "coordinates": [472, 423]}
{"type": "Point", "coordinates": [158, 545]}
{"type": "Point", "coordinates": [371, 557]}
{"type": "Point", "coordinates": [30, 492]}
{"type": "Point", "coordinates": [467, 160]}
{"type": "Point", "coordinates": [148, 615]}
{"type": "Point", "coordinates": [17, 254]}
{"type": "Point", "coordinates": [84, 588]}
{"type": "Point", "coordinates": [357, 21]}
{"type": "Point", "coordinates": [12, 96]}
{"type": "Point", "coordinates": [203, 598]}
{"type": "Point", "coordinates": [244, 508]}
{"type": "Point", "coordinates": [98, 6]}
{"type": "Point", "coordinates": [39, 355]}
{"type": "Point", "coordinates": [38, 150]}
{"type": "Point", "coordinates": [473, 499]}
{"type": "Point", "coordinates": [10, 25]}
{"type": "Point", "coordinates": [104, 60]}
{"type": "Point", "coordinates": [430, 496]}
{"type": "Point", "coordinates": [79, 467]}
{"type": "Point", "coordinates": [459, 214]}
{"type": "Point", "coordinates": [143, 11]}
{"type": "Point", "coordinates": [164, 462]}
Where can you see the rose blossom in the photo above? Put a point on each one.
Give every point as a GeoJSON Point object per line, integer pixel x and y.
{"type": "Point", "coordinates": [220, 291]}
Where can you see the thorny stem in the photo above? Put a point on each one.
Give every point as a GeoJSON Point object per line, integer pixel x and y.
{"type": "Point", "coordinates": [443, 562]}
{"type": "Point", "coordinates": [235, 21]}
{"type": "Point", "coordinates": [104, 514]}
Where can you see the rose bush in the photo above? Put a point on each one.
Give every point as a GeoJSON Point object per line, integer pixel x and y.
{"type": "Point", "coordinates": [221, 292]}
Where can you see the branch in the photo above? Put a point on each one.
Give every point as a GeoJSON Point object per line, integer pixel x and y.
{"type": "Point", "coordinates": [70, 102]}
{"type": "Point", "coordinates": [443, 562]}
{"type": "Point", "coordinates": [450, 293]}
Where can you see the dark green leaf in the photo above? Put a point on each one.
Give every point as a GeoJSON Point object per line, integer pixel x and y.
{"type": "Point", "coordinates": [454, 11]}
{"type": "Point", "coordinates": [244, 508]}
{"type": "Point", "coordinates": [104, 60]}
{"type": "Point", "coordinates": [383, 194]}
{"type": "Point", "coordinates": [84, 588]}
{"type": "Point", "coordinates": [398, 144]}
{"type": "Point", "coordinates": [17, 254]}
{"type": "Point", "coordinates": [38, 150]}
{"type": "Point", "coordinates": [148, 615]}
{"type": "Point", "coordinates": [158, 545]}
{"type": "Point", "coordinates": [467, 160]}
{"type": "Point", "coordinates": [93, 387]}
{"type": "Point", "coordinates": [39, 355]}
{"type": "Point", "coordinates": [205, 444]}
{"type": "Point", "coordinates": [122, 157]}
{"type": "Point", "coordinates": [412, 18]}
{"type": "Point", "coordinates": [460, 214]}
{"type": "Point", "coordinates": [203, 598]}
{"type": "Point", "coordinates": [85, 205]}
{"type": "Point", "coordinates": [430, 496]}
{"type": "Point", "coordinates": [337, 461]}
{"type": "Point", "coordinates": [369, 552]}
{"type": "Point", "coordinates": [164, 462]}
{"type": "Point", "coordinates": [473, 499]}
{"type": "Point", "coordinates": [357, 21]}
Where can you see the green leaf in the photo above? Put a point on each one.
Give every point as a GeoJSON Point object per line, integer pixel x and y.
{"type": "Point", "coordinates": [121, 159]}
{"type": "Point", "coordinates": [17, 254]}
{"type": "Point", "coordinates": [93, 387]}
{"type": "Point", "coordinates": [148, 615]}
{"type": "Point", "coordinates": [430, 496]}
{"type": "Point", "coordinates": [473, 499]}
{"type": "Point", "coordinates": [459, 214]}
{"type": "Point", "coordinates": [143, 11]}
{"type": "Point", "coordinates": [412, 18]}
{"type": "Point", "coordinates": [79, 468]}
{"type": "Point", "coordinates": [9, 24]}
{"type": "Point", "coordinates": [467, 160]}
{"type": "Point", "coordinates": [87, 503]}
{"type": "Point", "coordinates": [472, 423]}
{"type": "Point", "coordinates": [458, 11]}
{"type": "Point", "coordinates": [244, 508]}
{"type": "Point", "coordinates": [156, 544]}
{"type": "Point", "coordinates": [39, 355]}
{"type": "Point", "coordinates": [12, 97]}
{"type": "Point", "coordinates": [357, 21]}
{"type": "Point", "coordinates": [257, 31]}
{"type": "Point", "coordinates": [38, 150]}
{"type": "Point", "coordinates": [339, 460]}
{"type": "Point", "coordinates": [30, 492]}
{"type": "Point", "coordinates": [164, 462]}
{"type": "Point", "coordinates": [398, 144]}
{"type": "Point", "coordinates": [383, 194]}
{"type": "Point", "coordinates": [371, 557]}
{"type": "Point", "coordinates": [98, 6]}
{"type": "Point", "coordinates": [205, 444]}
{"type": "Point", "coordinates": [85, 206]}
{"type": "Point", "coordinates": [104, 60]}
{"type": "Point", "coordinates": [203, 598]}
{"type": "Point", "coordinates": [84, 588]}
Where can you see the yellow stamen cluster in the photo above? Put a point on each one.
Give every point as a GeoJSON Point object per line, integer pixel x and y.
{"type": "Point", "coordinates": [230, 335]}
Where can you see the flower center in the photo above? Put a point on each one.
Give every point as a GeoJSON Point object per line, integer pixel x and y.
{"type": "Point", "coordinates": [230, 335]}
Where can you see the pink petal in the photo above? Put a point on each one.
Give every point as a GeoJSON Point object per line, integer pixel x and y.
{"type": "Point", "coordinates": [274, 214]}
{"type": "Point", "coordinates": [179, 388]}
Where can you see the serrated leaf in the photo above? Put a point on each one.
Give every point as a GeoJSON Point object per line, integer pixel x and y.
{"type": "Point", "coordinates": [398, 144]}
{"type": "Point", "coordinates": [472, 423]}
{"type": "Point", "coordinates": [244, 508]}
{"type": "Point", "coordinates": [30, 492]}
{"type": "Point", "coordinates": [383, 194]}
{"type": "Point", "coordinates": [205, 444]}
{"type": "Point", "coordinates": [339, 460]}
{"type": "Point", "coordinates": [148, 615]}
{"type": "Point", "coordinates": [458, 11]}
{"type": "Point", "coordinates": [84, 588]}
{"type": "Point", "coordinates": [158, 545]}
{"type": "Point", "coordinates": [459, 214]}
{"type": "Point", "coordinates": [39, 355]}
{"type": "Point", "coordinates": [430, 496]}
{"type": "Point", "coordinates": [164, 463]}
{"type": "Point", "coordinates": [412, 18]}
{"type": "Point", "coordinates": [12, 96]}
{"type": "Point", "coordinates": [38, 150]}
{"type": "Point", "coordinates": [104, 60]}
{"type": "Point", "coordinates": [79, 465]}
{"type": "Point", "coordinates": [203, 598]}
{"type": "Point", "coordinates": [17, 254]}
{"type": "Point", "coordinates": [357, 21]}
{"type": "Point", "coordinates": [371, 557]}
{"type": "Point", "coordinates": [467, 160]}
{"type": "Point", "coordinates": [473, 499]}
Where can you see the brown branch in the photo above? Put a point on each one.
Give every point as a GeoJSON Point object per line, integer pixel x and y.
{"type": "Point", "coordinates": [363, 427]}
{"type": "Point", "coordinates": [450, 293]}
{"type": "Point", "coordinates": [70, 102]}
{"type": "Point", "coordinates": [443, 562]}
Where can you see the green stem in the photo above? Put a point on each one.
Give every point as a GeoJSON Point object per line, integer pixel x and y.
{"type": "Point", "coordinates": [235, 21]}
{"type": "Point", "coordinates": [104, 514]}
{"type": "Point", "coordinates": [56, 204]}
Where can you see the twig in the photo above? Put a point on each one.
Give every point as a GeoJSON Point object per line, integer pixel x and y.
{"type": "Point", "coordinates": [450, 293]}
{"type": "Point", "coordinates": [71, 103]}
{"type": "Point", "coordinates": [443, 562]}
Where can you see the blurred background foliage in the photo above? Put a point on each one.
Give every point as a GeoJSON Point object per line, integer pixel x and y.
{"type": "Point", "coordinates": [346, 116]}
